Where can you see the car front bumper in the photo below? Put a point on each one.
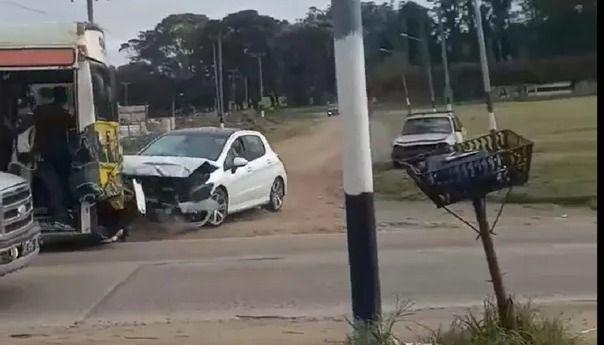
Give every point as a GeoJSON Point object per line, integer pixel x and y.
{"type": "Point", "coordinates": [410, 154]}
{"type": "Point", "coordinates": [18, 251]}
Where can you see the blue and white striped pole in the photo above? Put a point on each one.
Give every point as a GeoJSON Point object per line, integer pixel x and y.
{"type": "Point", "coordinates": [358, 176]}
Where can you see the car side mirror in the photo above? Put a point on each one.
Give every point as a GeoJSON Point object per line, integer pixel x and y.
{"type": "Point", "coordinates": [239, 162]}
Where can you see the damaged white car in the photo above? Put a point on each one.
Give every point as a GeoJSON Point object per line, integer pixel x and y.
{"type": "Point", "coordinates": [205, 174]}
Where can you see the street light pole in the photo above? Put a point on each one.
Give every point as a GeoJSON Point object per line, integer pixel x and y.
{"type": "Point", "coordinates": [407, 100]}
{"type": "Point", "coordinates": [404, 77]}
{"type": "Point", "coordinates": [246, 93]}
{"type": "Point", "coordinates": [232, 75]}
{"type": "Point", "coordinates": [358, 179]}
{"type": "Point", "coordinates": [427, 60]}
{"type": "Point", "coordinates": [443, 50]}
{"type": "Point", "coordinates": [484, 64]}
{"type": "Point", "coordinates": [258, 56]}
{"type": "Point", "coordinates": [90, 5]}
{"type": "Point", "coordinates": [260, 75]}
{"type": "Point", "coordinates": [220, 84]}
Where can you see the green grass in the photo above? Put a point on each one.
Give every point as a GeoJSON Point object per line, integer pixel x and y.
{"type": "Point", "coordinates": [564, 162]}
{"type": "Point", "coordinates": [530, 328]}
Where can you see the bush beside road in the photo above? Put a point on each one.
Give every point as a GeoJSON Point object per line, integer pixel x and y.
{"type": "Point", "coordinates": [565, 155]}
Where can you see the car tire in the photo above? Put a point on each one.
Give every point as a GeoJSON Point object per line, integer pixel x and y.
{"type": "Point", "coordinates": [277, 195]}
{"type": "Point", "coordinates": [218, 216]}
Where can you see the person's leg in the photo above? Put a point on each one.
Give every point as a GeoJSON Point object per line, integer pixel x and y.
{"type": "Point", "coordinates": [51, 182]}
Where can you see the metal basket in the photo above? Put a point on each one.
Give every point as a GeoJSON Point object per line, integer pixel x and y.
{"type": "Point", "coordinates": [503, 160]}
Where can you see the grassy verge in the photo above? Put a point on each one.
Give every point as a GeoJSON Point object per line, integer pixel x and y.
{"type": "Point", "coordinates": [564, 162]}
{"type": "Point", "coordinates": [531, 328]}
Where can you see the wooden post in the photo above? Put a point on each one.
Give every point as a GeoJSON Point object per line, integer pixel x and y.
{"type": "Point", "coordinates": [503, 305]}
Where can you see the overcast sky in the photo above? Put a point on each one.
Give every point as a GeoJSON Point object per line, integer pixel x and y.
{"type": "Point", "coordinates": [123, 19]}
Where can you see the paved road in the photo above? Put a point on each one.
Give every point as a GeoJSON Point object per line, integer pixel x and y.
{"type": "Point", "coordinates": [303, 275]}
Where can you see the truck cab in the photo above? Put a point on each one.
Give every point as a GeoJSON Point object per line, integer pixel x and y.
{"type": "Point", "coordinates": [425, 132]}
{"type": "Point", "coordinates": [19, 232]}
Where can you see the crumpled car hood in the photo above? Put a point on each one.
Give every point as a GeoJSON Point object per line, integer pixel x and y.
{"type": "Point", "coordinates": [425, 139]}
{"type": "Point", "coordinates": [163, 166]}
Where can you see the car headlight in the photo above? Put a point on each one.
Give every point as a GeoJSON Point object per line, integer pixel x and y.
{"type": "Point", "coordinates": [202, 192]}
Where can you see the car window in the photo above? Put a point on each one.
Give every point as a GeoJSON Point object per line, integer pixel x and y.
{"type": "Point", "coordinates": [237, 149]}
{"type": "Point", "coordinates": [427, 125]}
{"type": "Point", "coordinates": [186, 145]}
{"type": "Point", "coordinates": [254, 147]}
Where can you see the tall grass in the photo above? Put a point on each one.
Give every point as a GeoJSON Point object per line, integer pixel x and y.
{"type": "Point", "coordinates": [531, 328]}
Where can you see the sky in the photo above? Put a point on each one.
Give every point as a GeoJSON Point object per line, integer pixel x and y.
{"type": "Point", "coordinates": [123, 19]}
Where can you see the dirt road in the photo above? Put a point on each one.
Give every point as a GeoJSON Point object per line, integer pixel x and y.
{"type": "Point", "coordinates": [314, 203]}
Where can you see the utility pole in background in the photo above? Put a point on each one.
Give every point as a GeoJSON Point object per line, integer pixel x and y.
{"type": "Point", "coordinates": [220, 84]}
{"type": "Point", "coordinates": [484, 63]}
{"type": "Point", "coordinates": [247, 99]}
{"type": "Point", "coordinates": [90, 5]}
{"type": "Point", "coordinates": [126, 84]}
{"type": "Point", "coordinates": [216, 83]}
{"type": "Point", "coordinates": [258, 56]}
{"type": "Point", "coordinates": [358, 179]}
{"type": "Point", "coordinates": [233, 75]}
{"type": "Point", "coordinates": [426, 57]}
{"type": "Point", "coordinates": [445, 59]}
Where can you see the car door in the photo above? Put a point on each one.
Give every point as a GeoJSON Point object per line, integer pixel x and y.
{"type": "Point", "coordinates": [260, 176]}
{"type": "Point", "coordinates": [236, 180]}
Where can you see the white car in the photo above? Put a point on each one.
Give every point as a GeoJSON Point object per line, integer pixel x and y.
{"type": "Point", "coordinates": [205, 174]}
{"type": "Point", "coordinates": [425, 132]}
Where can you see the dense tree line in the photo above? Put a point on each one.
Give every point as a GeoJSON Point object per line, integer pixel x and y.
{"type": "Point", "coordinates": [173, 62]}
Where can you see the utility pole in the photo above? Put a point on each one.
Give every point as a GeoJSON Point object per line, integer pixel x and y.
{"type": "Point", "coordinates": [427, 59]}
{"type": "Point", "coordinates": [405, 46]}
{"type": "Point", "coordinates": [221, 87]}
{"type": "Point", "coordinates": [90, 8]}
{"type": "Point", "coordinates": [232, 75]}
{"type": "Point", "coordinates": [90, 5]}
{"type": "Point", "coordinates": [246, 93]}
{"type": "Point", "coordinates": [358, 179]}
{"type": "Point", "coordinates": [126, 84]}
{"type": "Point", "coordinates": [216, 82]}
{"type": "Point", "coordinates": [407, 100]}
{"type": "Point", "coordinates": [443, 51]}
{"type": "Point", "coordinates": [484, 63]}
{"type": "Point", "coordinates": [258, 56]}
{"type": "Point", "coordinates": [260, 75]}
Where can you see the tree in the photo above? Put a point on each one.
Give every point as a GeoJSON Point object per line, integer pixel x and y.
{"type": "Point", "coordinates": [305, 63]}
{"type": "Point", "coordinates": [168, 48]}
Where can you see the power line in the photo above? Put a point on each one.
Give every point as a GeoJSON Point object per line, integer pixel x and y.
{"type": "Point", "coordinates": [23, 7]}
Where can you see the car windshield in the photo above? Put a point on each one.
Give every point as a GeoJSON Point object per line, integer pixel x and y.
{"type": "Point", "coordinates": [427, 125]}
{"type": "Point", "coordinates": [187, 145]}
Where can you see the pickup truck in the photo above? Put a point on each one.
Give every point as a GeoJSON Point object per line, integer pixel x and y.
{"type": "Point", "coordinates": [19, 233]}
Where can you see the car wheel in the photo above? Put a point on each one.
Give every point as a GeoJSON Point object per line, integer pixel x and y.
{"type": "Point", "coordinates": [277, 196]}
{"type": "Point", "coordinates": [219, 215]}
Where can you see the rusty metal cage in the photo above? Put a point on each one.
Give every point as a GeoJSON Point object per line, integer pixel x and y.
{"type": "Point", "coordinates": [483, 165]}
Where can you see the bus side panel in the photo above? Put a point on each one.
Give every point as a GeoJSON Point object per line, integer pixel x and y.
{"type": "Point", "coordinates": [110, 162]}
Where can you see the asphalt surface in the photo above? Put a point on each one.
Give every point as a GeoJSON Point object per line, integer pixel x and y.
{"type": "Point", "coordinates": [284, 276]}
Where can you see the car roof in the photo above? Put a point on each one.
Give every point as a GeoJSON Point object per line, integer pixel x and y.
{"type": "Point", "coordinates": [447, 114]}
{"type": "Point", "coordinates": [216, 131]}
